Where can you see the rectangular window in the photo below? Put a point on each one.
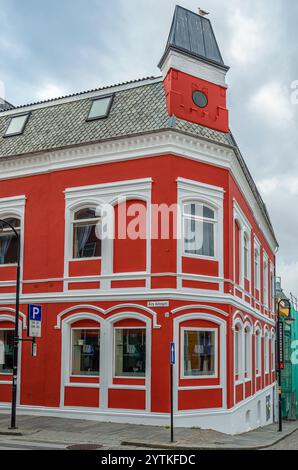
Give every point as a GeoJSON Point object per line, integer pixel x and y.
{"type": "Point", "coordinates": [198, 227]}
{"type": "Point", "coordinates": [265, 280]}
{"type": "Point", "coordinates": [199, 353]}
{"type": "Point", "coordinates": [247, 354]}
{"type": "Point", "coordinates": [258, 353]}
{"type": "Point", "coordinates": [6, 354]}
{"type": "Point", "coordinates": [100, 108]}
{"type": "Point", "coordinates": [85, 351]}
{"type": "Point", "coordinates": [130, 352]}
{"type": "Point", "coordinates": [236, 352]}
{"type": "Point", "coordinates": [16, 125]}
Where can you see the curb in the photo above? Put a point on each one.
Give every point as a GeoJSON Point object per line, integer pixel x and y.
{"type": "Point", "coordinates": [11, 433]}
{"type": "Point", "coordinates": [179, 446]}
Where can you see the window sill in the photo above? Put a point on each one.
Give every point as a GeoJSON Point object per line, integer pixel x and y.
{"type": "Point", "coordinates": [10, 265]}
{"type": "Point", "coordinates": [131, 377]}
{"type": "Point", "coordinates": [198, 377]}
{"type": "Point", "coordinates": [95, 258]}
{"type": "Point", "coordinates": [208, 258]}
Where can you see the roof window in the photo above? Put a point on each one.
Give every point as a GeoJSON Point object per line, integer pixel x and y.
{"type": "Point", "coordinates": [100, 107]}
{"type": "Point", "coordinates": [16, 125]}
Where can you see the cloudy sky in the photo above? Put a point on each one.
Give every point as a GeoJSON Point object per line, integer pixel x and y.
{"type": "Point", "coordinates": [56, 47]}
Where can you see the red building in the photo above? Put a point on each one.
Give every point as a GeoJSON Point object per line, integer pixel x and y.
{"type": "Point", "coordinates": [148, 151]}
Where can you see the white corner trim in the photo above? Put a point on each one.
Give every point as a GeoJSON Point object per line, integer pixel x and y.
{"type": "Point", "coordinates": [195, 67]}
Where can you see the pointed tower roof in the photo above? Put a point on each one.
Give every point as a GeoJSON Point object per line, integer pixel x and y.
{"type": "Point", "coordinates": [192, 34]}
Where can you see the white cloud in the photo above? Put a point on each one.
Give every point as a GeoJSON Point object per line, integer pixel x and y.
{"type": "Point", "coordinates": [272, 102]}
{"type": "Point", "coordinates": [248, 39]}
{"type": "Point", "coordinates": [48, 91]}
{"type": "Point", "coordinates": [289, 276]}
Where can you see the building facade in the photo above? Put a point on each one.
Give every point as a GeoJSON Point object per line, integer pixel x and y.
{"type": "Point", "coordinates": [144, 152]}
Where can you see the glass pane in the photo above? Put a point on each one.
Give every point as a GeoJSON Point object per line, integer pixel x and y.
{"type": "Point", "coordinates": [16, 124]}
{"type": "Point", "coordinates": [6, 338]}
{"type": "Point", "coordinates": [130, 352]}
{"type": "Point", "coordinates": [86, 213]}
{"type": "Point", "coordinates": [85, 242]}
{"type": "Point", "coordinates": [198, 237]}
{"type": "Point", "coordinates": [85, 352]}
{"type": "Point", "coordinates": [199, 353]}
{"type": "Point", "coordinates": [99, 108]}
{"type": "Point", "coordinates": [16, 223]}
{"type": "Point", "coordinates": [8, 248]}
{"type": "Point", "coordinates": [198, 210]}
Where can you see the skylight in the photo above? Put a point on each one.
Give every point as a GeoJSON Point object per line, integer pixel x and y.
{"type": "Point", "coordinates": [100, 107]}
{"type": "Point", "coordinates": [16, 125]}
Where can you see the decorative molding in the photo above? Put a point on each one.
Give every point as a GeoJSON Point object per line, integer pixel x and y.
{"type": "Point", "coordinates": [195, 67]}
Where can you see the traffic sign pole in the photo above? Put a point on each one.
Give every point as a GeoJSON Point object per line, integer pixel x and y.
{"type": "Point", "coordinates": [172, 363]}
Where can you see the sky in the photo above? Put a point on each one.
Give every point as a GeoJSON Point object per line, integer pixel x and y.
{"type": "Point", "coordinates": [57, 47]}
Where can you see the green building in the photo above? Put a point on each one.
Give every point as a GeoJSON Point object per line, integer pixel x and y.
{"type": "Point", "coordinates": [289, 375]}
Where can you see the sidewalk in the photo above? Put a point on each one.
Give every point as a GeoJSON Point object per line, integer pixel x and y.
{"type": "Point", "coordinates": [77, 431]}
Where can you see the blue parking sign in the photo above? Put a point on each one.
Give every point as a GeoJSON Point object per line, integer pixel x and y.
{"type": "Point", "coordinates": [34, 320]}
{"type": "Point", "coordinates": [35, 312]}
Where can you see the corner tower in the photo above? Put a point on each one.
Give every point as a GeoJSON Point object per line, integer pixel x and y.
{"type": "Point", "coordinates": [194, 72]}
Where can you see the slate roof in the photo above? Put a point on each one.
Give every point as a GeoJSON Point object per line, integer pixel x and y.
{"type": "Point", "coordinates": [137, 109]}
{"type": "Point", "coordinates": [192, 34]}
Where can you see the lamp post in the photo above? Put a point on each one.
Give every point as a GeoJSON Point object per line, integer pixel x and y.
{"type": "Point", "coordinates": [16, 331]}
{"type": "Point", "coordinates": [280, 353]}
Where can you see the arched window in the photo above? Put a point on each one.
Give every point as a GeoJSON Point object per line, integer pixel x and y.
{"type": "Point", "coordinates": [247, 352]}
{"type": "Point", "coordinates": [6, 350]}
{"type": "Point", "coordinates": [199, 229]}
{"type": "Point", "coordinates": [265, 276]}
{"type": "Point", "coordinates": [238, 363]}
{"type": "Point", "coordinates": [266, 352]}
{"type": "Point", "coordinates": [258, 350]}
{"type": "Point", "coordinates": [245, 256]}
{"type": "Point", "coordinates": [86, 244]}
{"type": "Point", "coordinates": [237, 252]}
{"type": "Point", "coordinates": [8, 241]}
{"type": "Point", "coordinates": [257, 269]}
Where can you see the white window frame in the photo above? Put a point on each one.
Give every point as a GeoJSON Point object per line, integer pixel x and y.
{"type": "Point", "coordinates": [247, 333]}
{"type": "Point", "coordinates": [239, 352]}
{"type": "Point", "coordinates": [201, 219]}
{"type": "Point", "coordinates": [244, 231]}
{"type": "Point", "coordinates": [266, 352]}
{"type": "Point", "coordinates": [190, 190]}
{"type": "Point", "coordinates": [258, 352]}
{"type": "Point", "coordinates": [272, 288]}
{"type": "Point", "coordinates": [6, 373]}
{"type": "Point", "coordinates": [198, 377]}
{"type": "Point", "coordinates": [257, 268]}
{"type": "Point", "coordinates": [127, 377]}
{"type": "Point", "coordinates": [98, 195]}
{"type": "Point", "coordinates": [265, 280]}
{"type": "Point", "coordinates": [77, 222]}
{"type": "Point", "coordinates": [246, 258]}
{"type": "Point", "coordinates": [71, 351]}
{"type": "Point", "coordinates": [14, 207]}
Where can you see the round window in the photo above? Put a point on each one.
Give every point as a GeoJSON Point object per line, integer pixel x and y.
{"type": "Point", "coordinates": [200, 99]}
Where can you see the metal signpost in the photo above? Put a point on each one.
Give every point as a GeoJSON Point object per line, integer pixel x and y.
{"type": "Point", "coordinates": [172, 361]}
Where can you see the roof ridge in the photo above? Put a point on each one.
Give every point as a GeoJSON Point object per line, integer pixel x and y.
{"type": "Point", "coordinates": [79, 93]}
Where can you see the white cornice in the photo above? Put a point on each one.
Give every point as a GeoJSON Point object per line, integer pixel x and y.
{"type": "Point", "coordinates": [126, 295]}
{"type": "Point", "coordinates": [149, 145]}
{"type": "Point", "coordinates": [195, 67]}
